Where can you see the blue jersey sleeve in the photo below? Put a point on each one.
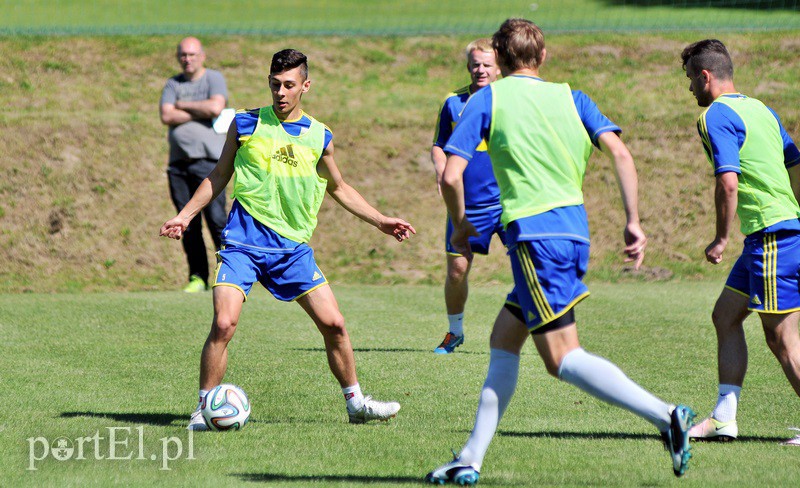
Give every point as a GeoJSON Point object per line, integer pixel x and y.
{"type": "Point", "coordinates": [791, 155]}
{"type": "Point", "coordinates": [473, 126]}
{"type": "Point", "coordinates": [246, 121]}
{"type": "Point", "coordinates": [444, 124]}
{"type": "Point", "coordinates": [593, 120]}
{"type": "Point", "coordinates": [722, 132]}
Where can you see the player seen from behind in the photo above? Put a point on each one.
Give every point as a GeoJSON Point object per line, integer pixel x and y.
{"type": "Point", "coordinates": [540, 136]}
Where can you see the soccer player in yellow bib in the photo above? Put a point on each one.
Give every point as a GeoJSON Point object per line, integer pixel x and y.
{"type": "Point", "coordinates": [282, 163]}
{"type": "Point", "coordinates": [757, 176]}
{"type": "Point", "coordinates": [540, 136]}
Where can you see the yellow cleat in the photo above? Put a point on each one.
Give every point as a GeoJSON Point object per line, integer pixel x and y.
{"type": "Point", "coordinates": [712, 429]}
{"type": "Point", "coordinates": [196, 285]}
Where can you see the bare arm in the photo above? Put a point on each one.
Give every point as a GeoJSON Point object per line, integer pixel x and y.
{"type": "Point", "coordinates": [209, 188]}
{"type": "Point", "coordinates": [439, 159]}
{"type": "Point", "coordinates": [628, 181]}
{"type": "Point", "coordinates": [183, 111]}
{"type": "Point", "coordinates": [453, 194]}
{"type": "Point", "coordinates": [453, 188]}
{"type": "Point", "coordinates": [794, 179]}
{"type": "Point", "coordinates": [726, 197]}
{"type": "Point", "coordinates": [173, 116]}
{"type": "Point", "coordinates": [352, 201]}
{"type": "Point", "coordinates": [203, 109]}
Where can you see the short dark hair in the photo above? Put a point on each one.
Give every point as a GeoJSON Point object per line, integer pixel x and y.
{"type": "Point", "coordinates": [519, 43]}
{"type": "Point", "coordinates": [710, 55]}
{"type": "Point", "coordinates": [289, 59]}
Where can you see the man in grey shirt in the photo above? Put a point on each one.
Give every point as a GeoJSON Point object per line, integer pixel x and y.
{"type": "Point", "coordinates": [189, 103]}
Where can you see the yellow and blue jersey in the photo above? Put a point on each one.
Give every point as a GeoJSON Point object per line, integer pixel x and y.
{"type": "Point", "coordinates": [759, 150]}
{"type": "Point", "coordinates": [271, 254]}
{"type": "Point", "coordinates": [242, 229]}
{"type": "Point", "coordinates": [247, 121]}
{"type": "Point", "coordinates": [480, 186]}
{"type": "Point", "coordinates": [561, 222]}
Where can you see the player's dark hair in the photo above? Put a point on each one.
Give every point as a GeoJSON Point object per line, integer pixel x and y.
{"type": "Point", "coordinates": [289, 59]}
{"type": "Point", "coordinates": [519, 43]}
{"type": "Point", "coordinates": [710, 55]}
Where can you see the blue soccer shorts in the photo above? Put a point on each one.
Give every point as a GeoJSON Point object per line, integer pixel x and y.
{"type": "Point", "coordinates": [288, 275]}
{"type": "Point", "coordinates": [487, 222]}
{"type": "Point", "coordinates": [547, 279]}
{"type": "Point", "coordinates": [768, 272]}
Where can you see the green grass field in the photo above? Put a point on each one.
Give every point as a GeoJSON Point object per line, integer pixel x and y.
{"type": "Point", "coordinates": [344, 17]}
{"type": "Point", "coordinates": [76, 365]}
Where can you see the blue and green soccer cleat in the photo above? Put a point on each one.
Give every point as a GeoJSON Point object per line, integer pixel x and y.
{"type": "Point", "coordinates": [454, 472]}
{"type": "Point", "coordinates": [676, 438]}
{"type": "Point", "coordinates": [449, 344]}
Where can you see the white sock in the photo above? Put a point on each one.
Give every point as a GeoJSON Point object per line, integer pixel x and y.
{"type": "Point", "coordinates": [353, 397]}
{"type": "Point", "coordinates": [201, 394]}
{"type": "Point", "coordinates": [456, 323]}
{"type": "Point", "coordinates": [727, 403]}
{"type": "Point", "coordinates": [501, 381]}
{"type": "Point", "coordinates": [603, 379]}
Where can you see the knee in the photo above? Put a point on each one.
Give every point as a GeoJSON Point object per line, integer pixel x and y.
{"type": "Point", "coordinates": [457, 274]}
{"type": "Point", "coordinates": [717, 317]}
{"type": "Point", "coordinates": [333, 326]}
{"type": "Point", "coordinates": [552, 368]}
{"type": "Point", "coordinates": [722, 321]}
{"type": "Point", "coordinates": [776, 345]}
{"type": "Point", "coordinates": [223, 328]}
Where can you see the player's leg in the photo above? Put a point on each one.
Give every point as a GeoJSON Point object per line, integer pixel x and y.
{"type": "Point", "coordinates": [508, 336]}
{"type": "Point", "coordinates": [320, 304]}
{"type": "Point", "coordinates": [228, 303]}
{"type": "Point", "coordinates": [728, 317]}
{"type": "Point", "coordinates": [783, 340]}
{"type": "Point", "coordinates": [295, 276]}
{"type": "Point", "coordinates": [456, 285]}
{"type": "Point", "coordinates": [564, 358]}
{"type": "Point", "coordinates": [214, 358]}
{"type": "Point", "coordinates": [456, 291]}
{"type": "Point", "coordinates": [236, 272]}
{"type": "Point", "coordinates": [781, 300]}
{"type": "Point", "coordinates": [552, 271]}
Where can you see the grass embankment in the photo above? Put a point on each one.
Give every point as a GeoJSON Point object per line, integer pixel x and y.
{"type": "Point", "coordinates": [83, 169]}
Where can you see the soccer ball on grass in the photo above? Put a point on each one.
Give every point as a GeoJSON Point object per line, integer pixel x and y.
{"type": "Point", "coordinates": [225, 407]}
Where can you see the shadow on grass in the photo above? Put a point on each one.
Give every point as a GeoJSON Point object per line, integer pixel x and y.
{"type": "Point", "coordinates": [167, 419]}
{"type": "Point", "coordinates": [267, 477]}
{"type": "Point", "coordinates": [134, 418]}
{"type": "Point", "coordinates": [384, 349]}
{"type": "Point", "coordinates": [625, 436]}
